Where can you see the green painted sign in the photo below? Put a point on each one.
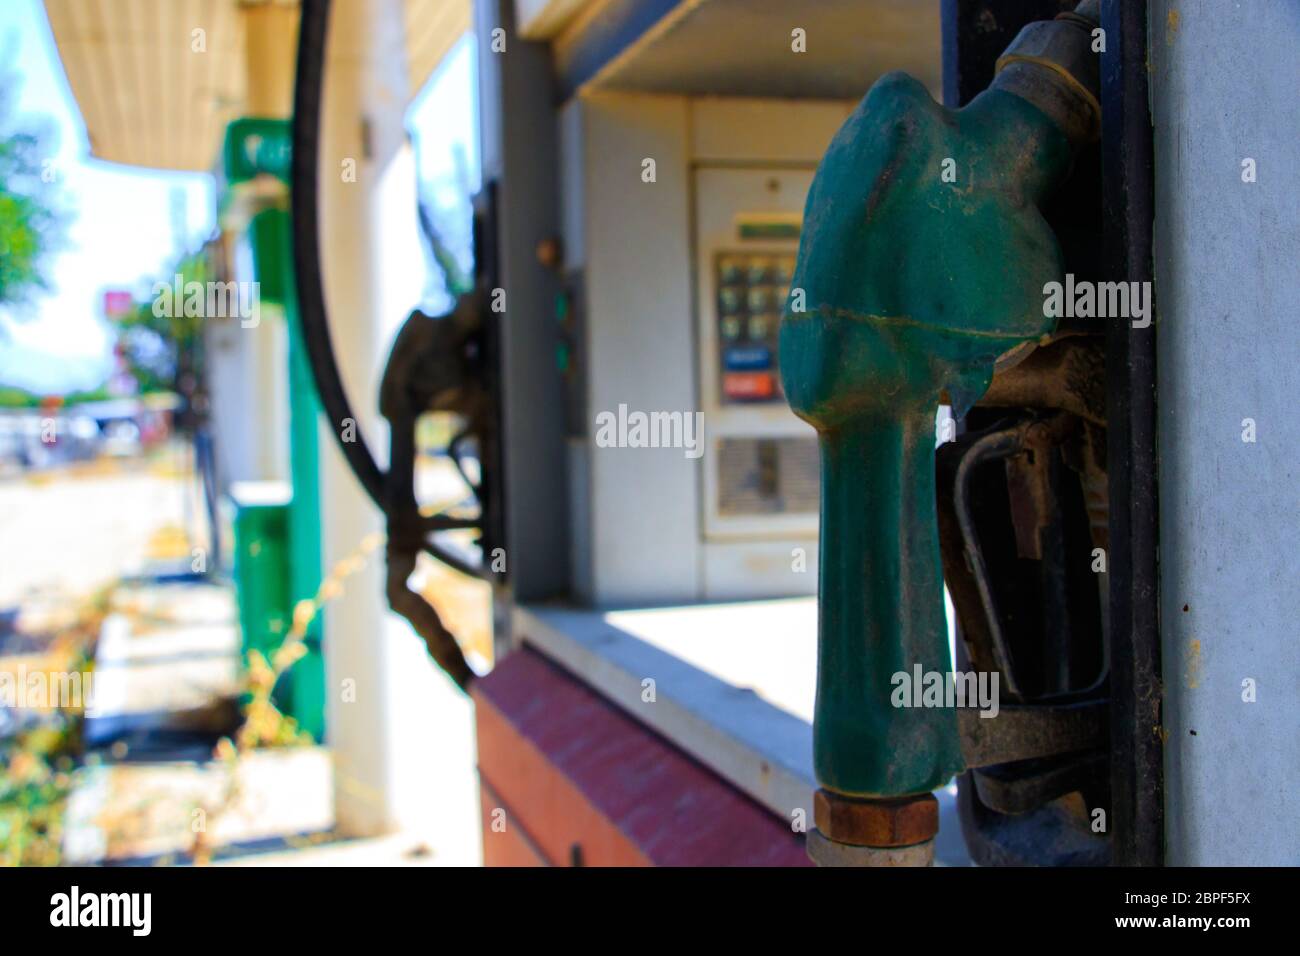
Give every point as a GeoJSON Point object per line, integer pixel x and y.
{"type": "Point", "coordinates": [256, 147]}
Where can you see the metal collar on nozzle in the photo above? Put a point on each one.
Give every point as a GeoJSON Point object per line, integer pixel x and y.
{"type": "Point", "coordinates": [1053, 64]}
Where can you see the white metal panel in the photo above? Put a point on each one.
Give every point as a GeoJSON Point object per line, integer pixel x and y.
{"type": "Point", "coordinates": [640, 349]}
{"type": "Point", "coordinates": [645, 250]}
{"type": "Point", "coordinates": [752, 570]}
{"type": "Point", "coordinates": [769, 131]}
{"type": "Point", "coordinates": [1223, 91]}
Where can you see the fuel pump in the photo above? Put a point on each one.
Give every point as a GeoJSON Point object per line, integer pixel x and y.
{"type": "Point", "coordinates": [923, 253]}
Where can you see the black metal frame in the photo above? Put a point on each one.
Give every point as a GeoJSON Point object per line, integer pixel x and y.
{"type": "Point", "coordinates": [1137, 782]}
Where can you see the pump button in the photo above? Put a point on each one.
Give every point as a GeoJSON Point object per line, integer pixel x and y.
{"type": "Point", "coordinates": [731, 270]}
{"type": "Point", "coordinates": [730, 300]}
{"type": "Point", "coordinates": [746, 359]}
{"type": "Point", "coordinates": [748, 385]}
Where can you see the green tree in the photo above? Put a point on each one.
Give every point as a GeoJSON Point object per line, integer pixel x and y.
{"type": "Point", "coordinates": [30, 224]}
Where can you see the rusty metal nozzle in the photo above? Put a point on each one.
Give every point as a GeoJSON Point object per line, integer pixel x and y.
{"type": "Point", "coordinates": [1052, 64]}
{"type": "Point", "coordinates": [892, 831]}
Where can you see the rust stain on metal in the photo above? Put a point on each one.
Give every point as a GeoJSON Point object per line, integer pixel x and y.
{"type": "Point", "coordinates": [1194, 665]}
{"type": "Point", "coordinates": [901, 821]}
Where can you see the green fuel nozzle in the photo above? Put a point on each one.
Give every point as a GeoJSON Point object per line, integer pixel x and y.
{"type": "Point", "coordinates": [923, 259]}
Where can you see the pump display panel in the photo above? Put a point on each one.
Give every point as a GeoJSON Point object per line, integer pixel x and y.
{"type": "Point", "coordinates": [761, 478]}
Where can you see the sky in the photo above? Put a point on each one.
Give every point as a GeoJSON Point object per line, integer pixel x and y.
{"type": "Point", "coordinates": [128, 226]}
{"type": "Point", "coordinates": [443, 123]}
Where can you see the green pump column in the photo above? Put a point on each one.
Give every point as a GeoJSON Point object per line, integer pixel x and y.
{"type": "Point", "coordinates": [272, 258]}
{"type": "Point", "coordinates": [923, 259]}
{"type": "Point", "coordinates": [257, 152]}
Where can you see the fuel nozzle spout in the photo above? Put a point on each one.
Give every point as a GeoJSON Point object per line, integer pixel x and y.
{"type": "Point", "coordinates": [1054, 65]}
{"type": "Point", "coordinates": [923, 259]}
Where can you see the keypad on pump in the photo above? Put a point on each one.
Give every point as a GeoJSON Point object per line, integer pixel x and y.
{"type": "Point", "coordinates": [751, 294]}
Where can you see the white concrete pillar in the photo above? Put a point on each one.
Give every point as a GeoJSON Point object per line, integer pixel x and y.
{"type": "Point", "coordinates": [270, 57]}
{"type": "Point", "coordinates": [383, 694]}
{"type": "Point", "coordinates": [248, 381]}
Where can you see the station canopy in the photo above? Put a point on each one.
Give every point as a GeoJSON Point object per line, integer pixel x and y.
{"type": "Point", "coordinates": [157, 81]}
